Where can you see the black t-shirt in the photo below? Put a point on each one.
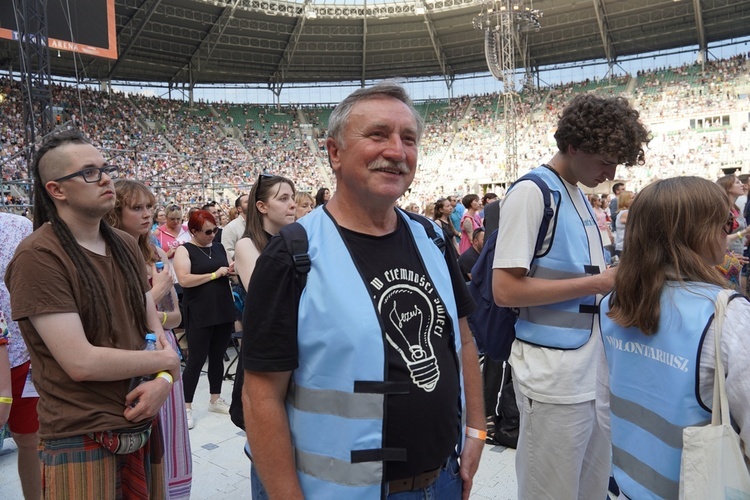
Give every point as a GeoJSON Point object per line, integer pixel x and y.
{"type": "Point", "coordinates": [467, 260]}
{"type": "Point", "coordinates": [425, 422]}
{"type": "Point", "coordinates": [210, 303]}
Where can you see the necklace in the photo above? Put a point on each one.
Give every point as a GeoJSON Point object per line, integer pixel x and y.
{"type": "Point", "coordinates": [204, 252]}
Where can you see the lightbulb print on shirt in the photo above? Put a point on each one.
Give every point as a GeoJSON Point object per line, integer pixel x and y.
{"type": "Point", "coordinates": [413, 314]}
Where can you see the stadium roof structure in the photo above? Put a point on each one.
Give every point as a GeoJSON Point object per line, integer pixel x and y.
{"type": "Point", "coordinates": [276, 42]}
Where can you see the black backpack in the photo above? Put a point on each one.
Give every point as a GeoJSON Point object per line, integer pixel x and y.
{"type": "Point", "coordinates": [494, 327]}
{"type": "Point", "coordinates": [295, 240]}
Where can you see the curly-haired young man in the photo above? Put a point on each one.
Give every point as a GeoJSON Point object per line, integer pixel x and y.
{"type": "Point", "coordinates": [562, 452]}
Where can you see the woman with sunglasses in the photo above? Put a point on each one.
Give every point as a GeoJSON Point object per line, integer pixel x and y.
{"type": "Point", "coordinates": [202, 267]}
{"type": "Point", "coordinates": [735, 263]}
{"type": "Point", "coordinates": [132, 214]}
{"type": "Point", "coordinates": [273, 208]}
{"type": "Point", "coordinates": [658, 333]}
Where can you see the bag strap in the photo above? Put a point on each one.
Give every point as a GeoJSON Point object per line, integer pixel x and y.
{"type": "Point", "coordinates": [720, 417]}
{"type": "Point", "coordinates": [295, 239]}
{"type": "Point", "coordinates": [548, 213]}
{"type": "Point", "coordinates": [429, 229]}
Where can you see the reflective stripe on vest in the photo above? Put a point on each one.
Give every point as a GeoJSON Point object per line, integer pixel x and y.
{"type": "Point", "coordinates": [336, 400]}
{"type": "Point", "coordinates": [653, 389]}
{"type": "Point", "coordinates": [564, 325]}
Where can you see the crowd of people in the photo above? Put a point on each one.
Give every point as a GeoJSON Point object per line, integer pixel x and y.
{"type": "Point", "coordinates": [336, 411]}
{"type": "Point", "coordinates": [190, 154]}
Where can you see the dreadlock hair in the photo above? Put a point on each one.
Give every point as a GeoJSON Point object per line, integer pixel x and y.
{"type": "Point", "coordinates": [128, 192]}
{"type": "Point", "coordinates": [91, 283]}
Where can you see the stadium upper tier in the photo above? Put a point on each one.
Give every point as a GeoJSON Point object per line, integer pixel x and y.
{"type": "Point", "coordinates": [276, 42]}
{"type": "Point", "coordinates": [699, 120]}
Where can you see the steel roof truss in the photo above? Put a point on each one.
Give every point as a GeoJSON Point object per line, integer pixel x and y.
{"type": "Point", "coordinates": [279, 76]}
{"type": "Point", "coordinates": [445, 68]}
{"type": "Point", "coordinates": [601, 18]}
{"type": "Point", "coordinates": [210, 41]}
{"type": "Point", "coordinates": [134, 38]}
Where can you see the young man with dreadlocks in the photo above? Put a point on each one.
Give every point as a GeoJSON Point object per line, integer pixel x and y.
{"type": "Point", "coordinates": [78, 291]}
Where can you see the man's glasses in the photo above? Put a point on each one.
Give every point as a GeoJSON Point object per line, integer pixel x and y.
{"type": "Point", "coordinates": [729, 225]}
{"type": "Point", "coordinates": [209, 232]}
{"type": "Point", "coordinates": [93, 174]}
{"type": "Point", "coordinates": [257, 185]}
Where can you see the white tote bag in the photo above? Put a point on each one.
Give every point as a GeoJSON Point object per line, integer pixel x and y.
{"type": "Point", "coordinates": [713, 466]}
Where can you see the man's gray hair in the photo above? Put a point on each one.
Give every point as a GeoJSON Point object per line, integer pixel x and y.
{"type": "Point", "coordinates": [340, 115]}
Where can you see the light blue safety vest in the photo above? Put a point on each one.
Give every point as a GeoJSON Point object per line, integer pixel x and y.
{"type": "Point", "coordinates": [563, 325]}
{"type": "Point", "coordinates": [653, 392]}
{"type": "Point", "coordinates": [336, 400]}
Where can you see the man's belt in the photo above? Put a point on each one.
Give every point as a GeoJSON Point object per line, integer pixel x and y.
{"type": "Point", "coordinates": [418, 482]}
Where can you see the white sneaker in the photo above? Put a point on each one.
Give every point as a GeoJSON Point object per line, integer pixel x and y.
{"type": "Point", "coordinates": [219, 406]}
{"type": "Point", "coordinates": [190, 421]}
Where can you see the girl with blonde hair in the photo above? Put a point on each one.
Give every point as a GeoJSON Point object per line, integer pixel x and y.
{"type": "Point", "coordinates": [133, 214]}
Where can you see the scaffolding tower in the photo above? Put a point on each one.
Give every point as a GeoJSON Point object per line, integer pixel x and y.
{"type": "Point", "coordinates": [505, 24]}
{"type": "Point", "coordinates": [36, 78]}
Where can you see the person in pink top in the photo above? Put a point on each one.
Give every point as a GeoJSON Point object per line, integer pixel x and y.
{"type": "Point", "coordinates": [470, 221]}
{"type": "Point", "coordinates": [172, 234]}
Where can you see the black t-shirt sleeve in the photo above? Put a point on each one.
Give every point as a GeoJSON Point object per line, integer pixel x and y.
{"type": "Point", "coordinates": [464, 301]}
{"type": "Point", "coordinates": [269, 323]}
{"type": "Point", "coordinates": [465, 264]}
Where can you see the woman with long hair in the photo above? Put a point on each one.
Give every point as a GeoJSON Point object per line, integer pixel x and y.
{"type": "Point", "coordinates": [733, 265]}
{"type": "Point", "coordinates": [732, 186]}
{"type": "Point", "coordinates": [202, 269]}
{"type": "Point", "coordinates": [322, 196]}
{"type": "Point", "coordinates": [270, 207]}
{"type": "Point", "coordinates": [132, 214]}
{"type": "Point", "coordinates": [658, 333]}
{"type": "Point", "coordinates": [442, 216]}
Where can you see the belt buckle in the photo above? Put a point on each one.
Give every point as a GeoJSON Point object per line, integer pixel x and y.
{"type": "Point", "coordinates": [414, 483]}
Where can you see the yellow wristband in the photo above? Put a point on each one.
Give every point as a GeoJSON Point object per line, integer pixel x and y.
{"type": "Point", "coordinates": [476, 433]}
{"type": "Point", "coordinates": [7, 401]}
{"type": "Point", "coordinates": [739, 234]}
{"type": "Point", "coordinates": [164, 319]}
{"type": "Point", "coordinates": [166, 376]}
{"type": "Point", "coordinates": [213, 276]}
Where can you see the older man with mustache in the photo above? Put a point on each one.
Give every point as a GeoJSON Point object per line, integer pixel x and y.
{"type": "Point", "coordinates": [367, 385]}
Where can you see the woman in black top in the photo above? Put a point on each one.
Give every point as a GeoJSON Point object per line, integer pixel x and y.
{"type": "Point", "coordinates": [443, 210]}
{"type": "Point", "coordinates": [202, 267]}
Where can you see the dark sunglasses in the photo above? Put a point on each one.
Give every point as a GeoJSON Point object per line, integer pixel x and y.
{"type": "Point", "coordinates": [258, 184]}
{"type": "Point", "coordinates": [209, 232]}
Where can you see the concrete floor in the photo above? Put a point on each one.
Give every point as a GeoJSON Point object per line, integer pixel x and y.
{"type": "Point", "coordinates": [221, 471]}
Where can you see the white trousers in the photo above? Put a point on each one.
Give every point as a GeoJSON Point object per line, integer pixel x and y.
{"type": "Point", "coordinates": [562, 452]}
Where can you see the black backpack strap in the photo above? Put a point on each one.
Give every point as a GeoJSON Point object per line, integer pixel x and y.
{"type": "Point", "coordinates": [548, 213]}
{"type": "Point", "coordinates": [295, 239]}
{"type": "Point", "coordinates": [429, 228]}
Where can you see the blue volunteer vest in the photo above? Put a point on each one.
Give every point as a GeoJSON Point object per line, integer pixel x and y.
{"type": "Point", "coordinates": [653, 389]}
{"type": "Point", "coordinates": [563, 325]}
{"type": "Point", "coordinates": [336, 400]}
